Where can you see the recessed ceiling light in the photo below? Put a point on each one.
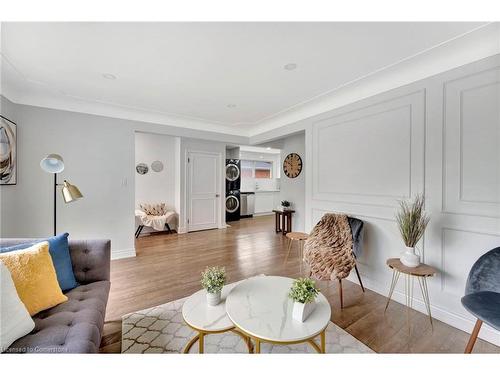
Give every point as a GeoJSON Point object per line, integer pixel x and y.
{"type": "Point", "coordinates": [268, 148]}
{"type": "Point", "coordinates": [290, 66]}
{"type": "Point", "coordinates": [231, 106]}
{"type": "Point", "coordinates": [109, 76]}
{"type": "Point", "coordinates": [262, 157]}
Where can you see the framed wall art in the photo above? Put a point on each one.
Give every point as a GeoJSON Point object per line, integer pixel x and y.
{"type": "Point", "coordinates": [8, 152]}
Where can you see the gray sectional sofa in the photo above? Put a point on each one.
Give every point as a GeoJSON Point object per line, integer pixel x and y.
{"type": "Point", "coordinates": [74, 326]}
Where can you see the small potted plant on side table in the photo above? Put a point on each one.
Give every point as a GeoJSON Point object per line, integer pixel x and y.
{"type": "Point", "coordinates": [303, 293]}
{"type": "Point", "coordinates": [286, 205]}
{"type": "Point", "coordinates": [213, 280]}
{"type": "Point", "coordinates": [412, 222]}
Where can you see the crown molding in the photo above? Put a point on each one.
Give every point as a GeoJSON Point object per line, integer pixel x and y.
{"type": "Point", "coordinates": [472, 46]}
{"type": "Point", "coordinates": [75, 104]}
{"type": "Point", "coordinates": [19, 89]}
{"type": "Point", "coordinates": [469, 47]}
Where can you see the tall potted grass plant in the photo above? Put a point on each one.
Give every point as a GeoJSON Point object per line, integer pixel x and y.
{"type": "Point", "coordinates": [412, 222]}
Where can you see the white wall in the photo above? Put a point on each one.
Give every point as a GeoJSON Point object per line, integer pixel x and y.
{"type": "Point", "coordinates": [155, 187]}
{"type": "Point", "coordinates": [293, 189]}
{"type": "Point", "coordinates": [99, 156]}
{"type": "Point", "coordinates": [99, 159]}
{"type": "Point", "coordinates": [439, 136]}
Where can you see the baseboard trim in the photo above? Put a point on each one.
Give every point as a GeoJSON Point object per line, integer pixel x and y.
{"type": "Point", "coordinates": [438, 312]}
{"type": "Point", "coordinates": [122, 253]}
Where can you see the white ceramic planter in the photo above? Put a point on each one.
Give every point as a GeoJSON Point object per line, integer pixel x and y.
{"type": "Point", "coordinates": [409, 258]}
{"type": "Point", "coordinates": [301, 311]}
{"type": "Point", "coordinates": [213, 299]}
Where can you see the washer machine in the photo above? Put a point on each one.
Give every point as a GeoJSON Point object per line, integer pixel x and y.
{"type": "Point", "coordinates": [233, 206]}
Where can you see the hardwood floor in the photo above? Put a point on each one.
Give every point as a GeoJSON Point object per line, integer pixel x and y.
{"type": "Point", "coordinates": [168, 267]}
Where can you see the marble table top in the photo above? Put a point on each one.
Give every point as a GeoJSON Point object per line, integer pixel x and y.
{"type": "Point", "coordinates": [260, 306]}
{"type": "Point", "coordinates": [199, 315]}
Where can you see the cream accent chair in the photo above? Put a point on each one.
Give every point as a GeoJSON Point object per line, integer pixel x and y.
{"type": "Point", "coordinates": [155, 216]}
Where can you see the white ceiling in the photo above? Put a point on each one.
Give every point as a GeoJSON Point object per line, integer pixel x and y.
{"type": "Point", "coordinates": [195, 70]}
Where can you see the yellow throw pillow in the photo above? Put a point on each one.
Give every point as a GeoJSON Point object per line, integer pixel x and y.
{"type": "Point", "coordinates": [35, 277]}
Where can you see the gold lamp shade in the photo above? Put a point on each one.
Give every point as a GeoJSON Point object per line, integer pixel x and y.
{"type": "Point", "coordinates": [70, 192]}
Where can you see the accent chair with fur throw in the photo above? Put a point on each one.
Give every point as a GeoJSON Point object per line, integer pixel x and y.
{"type": "Point", "coordinates": [330, 251]}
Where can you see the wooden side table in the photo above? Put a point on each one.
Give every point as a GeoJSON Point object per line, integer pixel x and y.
{"type": "Point", "coordinates": [421, 273]}
{"type": "Point", "coordinates": [283, 221]}
{"type": "Point", "coordinates": [300, 237]}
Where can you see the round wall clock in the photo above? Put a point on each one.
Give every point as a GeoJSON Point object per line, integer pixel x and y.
{"type": "Point", "coordinates": [292, 165]}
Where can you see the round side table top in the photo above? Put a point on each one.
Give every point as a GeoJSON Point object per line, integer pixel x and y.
{"type": "Point", "coordinates": [300, 236]}
{"type": "Point", "coordinates": [422, 270]}
{"type": "Point", "coordinates": [202, 317]}
{"type": "Point", "coordinates": [260, 307]}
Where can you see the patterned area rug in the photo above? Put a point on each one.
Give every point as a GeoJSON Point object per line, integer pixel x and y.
{"type": "Point", "coordinates": [161, 329]}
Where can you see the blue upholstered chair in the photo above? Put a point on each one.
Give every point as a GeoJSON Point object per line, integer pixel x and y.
{"type": "Point", "coordinates": [482, 293]}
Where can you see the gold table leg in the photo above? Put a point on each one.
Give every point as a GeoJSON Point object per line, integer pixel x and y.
{"type": "Point", "coordinates": [289, 249]}
{"type": "Point", "coordinates": [318, 348]}
{"type": "Point", "coordinates": [200, 337]}
{"type": "Point", "coordinates": [323, 341]}
{"type": "Point", "coordinates": [322, 347]}
{"type": "Point", "coordinates": [246, 339]}
{"type": "Point", "coordinates": [422, 281]}
{"type": "Point", "coordinates": [201, 343]}
{"type": "Point", "coordinates": [409, 298]}
{"type": "Point", "coordinates": [394, 282]}
{"type": "Point", "coordinates": [301, 255]}
{"type": "Point", "coordinates": [191, 342]}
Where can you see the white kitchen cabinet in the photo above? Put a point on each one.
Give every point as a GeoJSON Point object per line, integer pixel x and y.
{"type": "Point", "coordinates": [265, 201]}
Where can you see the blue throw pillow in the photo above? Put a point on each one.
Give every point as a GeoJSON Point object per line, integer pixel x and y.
{"type": "Point", "coordinates": [59, 251]}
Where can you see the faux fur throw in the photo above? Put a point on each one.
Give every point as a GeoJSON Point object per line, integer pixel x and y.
{"type": "Point", "coordinates": [155, 209]}
{"type": "Point", "coordinates": [328, 250]}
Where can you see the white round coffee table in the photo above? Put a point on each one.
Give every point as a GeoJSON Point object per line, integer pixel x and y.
{"type": "Point", "coordinates": [261, 309]}
{"type": "Point", "coordinates": [206, 319]}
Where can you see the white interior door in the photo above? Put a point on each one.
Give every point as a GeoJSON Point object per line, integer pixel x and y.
{"type": "Point", "coordinates": [203, 190]}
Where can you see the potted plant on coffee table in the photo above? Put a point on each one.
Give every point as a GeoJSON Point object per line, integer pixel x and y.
{"type": "Point", "coordinates": [213, 280]}
{"type": "Point", "coordinates": [303, 293]}
{"type": "Point", "coordinates": [412, 222]}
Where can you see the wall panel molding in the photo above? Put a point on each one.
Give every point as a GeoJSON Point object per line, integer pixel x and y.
{"type": "Point", "coordinates": [341, 139]}
{"type": "Point", "coordinates": [492, 240]}
{"type": "Point", "coordinates": [447, 131]}
{"type": "Point", "coordinates": [470, 158]}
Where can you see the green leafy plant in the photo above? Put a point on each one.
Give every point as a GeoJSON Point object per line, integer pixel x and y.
{"type": "Point", "coordinates": [412, 220]}
{"type": "Point", "coordinates": [213, 279]}
{"type": "Point", "coordinates": [303, 290]}
{"type": "Point", "coordinates": [285, 204]}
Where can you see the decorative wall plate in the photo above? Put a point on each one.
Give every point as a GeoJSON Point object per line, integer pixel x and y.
{"type": "Point", "coordinates": [292, 165]}
{"type": "Point", "coordinates": [142, 168]}
{"type": "Point", "coordinates": [157, 166]}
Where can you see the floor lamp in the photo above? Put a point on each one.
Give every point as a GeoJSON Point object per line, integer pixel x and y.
{"type": "Point", "coordinates": [54, 163]}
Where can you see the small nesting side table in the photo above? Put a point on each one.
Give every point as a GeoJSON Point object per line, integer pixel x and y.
{"type": "Point", "coordinates": [283, 221]}
{"type": "Point", "coordinates": [421, 273]}
{"type": "Point", "coordinates": [207, 320]}
{"type": "Point", "coordinates": [300, 237]}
